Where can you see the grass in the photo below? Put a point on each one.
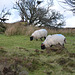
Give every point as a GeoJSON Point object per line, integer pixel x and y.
{"type": "Point", "coordinates": [37, 62]}
{"type": "Point", "coordinates": [70, 45]}
{"type": "Point", "coordinates": [11, 42]}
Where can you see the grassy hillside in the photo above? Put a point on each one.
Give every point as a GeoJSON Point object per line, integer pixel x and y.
{"type": "Point", "coordinates": [21, 54]}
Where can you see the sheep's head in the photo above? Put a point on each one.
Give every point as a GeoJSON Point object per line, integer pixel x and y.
{"type": "Point", "coordinates": [31, 38]}
{"type": "Point", "coordinates": [42, 46]}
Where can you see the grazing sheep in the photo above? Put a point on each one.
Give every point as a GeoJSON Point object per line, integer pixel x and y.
{"type": "Point", "coordinates": [53, 40]}
{"type": "Point", "coordinates": [39, 34]}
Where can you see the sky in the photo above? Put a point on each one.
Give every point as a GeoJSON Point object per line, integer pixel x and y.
{"type": "Point", "coordinates": [69, 17]}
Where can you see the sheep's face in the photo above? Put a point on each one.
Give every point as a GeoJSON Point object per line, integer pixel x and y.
{"type": "Point", "coordinates": [31, 38]}
{"type": "Point", "coordinates": [42, 46]}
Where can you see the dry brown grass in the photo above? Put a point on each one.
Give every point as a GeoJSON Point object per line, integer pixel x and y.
{"type": "Point", "coordinates": [30, 29]}
{"type": "Point", "coordinates": [64, 31]}
{"type": "Point", "coordinates": [20, 28]}
{"type": "Point", "coordinates": [15, 29]}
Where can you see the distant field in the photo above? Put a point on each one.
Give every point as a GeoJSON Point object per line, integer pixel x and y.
{"type": "Point", "coordinates": [36, 61]}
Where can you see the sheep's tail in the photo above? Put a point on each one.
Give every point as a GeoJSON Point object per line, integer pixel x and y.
{"type": "Point", "coordinates": [65, 40]}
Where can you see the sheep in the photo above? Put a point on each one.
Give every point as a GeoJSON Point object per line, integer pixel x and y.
{"type": "Point", "coordinates": [53, 40]}
{"type": "Point", "coordinates": [39, 34]}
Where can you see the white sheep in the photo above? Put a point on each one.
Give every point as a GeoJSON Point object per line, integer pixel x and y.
{"type": "Point", "coordinates": [53, 40]}
{"type": "Point", "coordinates": [39, 34]}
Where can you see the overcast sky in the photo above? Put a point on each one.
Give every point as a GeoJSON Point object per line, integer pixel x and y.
{"type": "Point", "coordinates": [15, 15]}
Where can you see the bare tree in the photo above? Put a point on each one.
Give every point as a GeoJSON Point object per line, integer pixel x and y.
{"type": "Point", "coordinates": [3, 17]}
{"type": "Point", "coordinates": [3, 14]}
{"type": "Point", "coordinates": [51, 18]}
{"type": "Point", "coordinates": [29, 9]}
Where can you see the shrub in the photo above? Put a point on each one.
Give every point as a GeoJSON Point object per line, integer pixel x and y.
{"type": "Point", "coordinates": [2, 28]}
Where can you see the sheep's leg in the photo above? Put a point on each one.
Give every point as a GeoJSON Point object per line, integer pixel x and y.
{"type": "Point", "coordinates": [44, 37]}
{"type": "Point", "coordinates": [41, 39]}
{"type": "Point", "coordinates": [61, 45]}
{"type": "Point", "coordinates": [36, 39]}
{"type": "Point", "coordinates": [51, 45]}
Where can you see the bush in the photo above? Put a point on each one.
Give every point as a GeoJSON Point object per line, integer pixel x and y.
{"type": "Point", "coordinates": [2, 28]}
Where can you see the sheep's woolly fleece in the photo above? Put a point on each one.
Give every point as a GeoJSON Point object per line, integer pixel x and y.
{"type": "Point", "coordinates": [54, 39]}
{"type": "Point", "coordinates": [39, 33]}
